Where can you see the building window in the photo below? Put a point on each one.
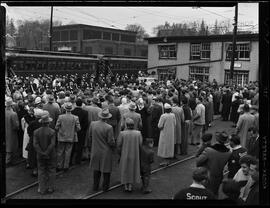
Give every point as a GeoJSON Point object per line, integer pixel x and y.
{"type": "Point", "coordinates": [73, 35]}
{"type": "Point", "coordinates": [64, 35]}
{"type": "Point", "coordinates": [108, 50]}
{"type": "Point", "coordinates": [127, 52]}
{"type": "Point", "coordinates": [242, 52]}
{"type": "Point", "coordinates": [55, 48]}
{"type": "Point", "coordinates": [115, 36]}
{"type": "Point", "coordinates": [239, 77]}
{"type": "Point", "coordinates": [106, 36]}
{"type": "Point", "coordinates": [166, 73]}
{"type": "Point", "coordinates": [167, 51]}
{"type": "Point", "coordinates": [128, 38]}
{"type": "Point", "coordinates": [199, 51]}
{"type": "Point", "coordinates": [74, 49]}
{"type": "Point", "coordinates": [144, 53]}
{"type": "Point", "coordinates": [91, 34]}
{"type": "Point", "coordinates": [88, 50]}
{"type": "Point", "coordinates": [199, 73]}
{"type": "Point", "coordinates": [56, 36]}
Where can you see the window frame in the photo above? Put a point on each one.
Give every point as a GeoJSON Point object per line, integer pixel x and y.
{"type": "Point", "coordinates": [169, 52]}
{"type": "Point", "coordinates": [201, 50]}
{"type": "Point", "coordinates": [238, 51]}
{"type": "Point", "coordinates": [203, 71]}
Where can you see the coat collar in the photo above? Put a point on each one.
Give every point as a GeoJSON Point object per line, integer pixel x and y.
{"type": "Point", "coordinates": [220, 147]}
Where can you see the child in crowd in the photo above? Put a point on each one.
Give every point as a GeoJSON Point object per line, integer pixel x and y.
{"type": "Point", "coordinates": [146, 158]}
{"type": "Point", "coordinates": [206, 142]}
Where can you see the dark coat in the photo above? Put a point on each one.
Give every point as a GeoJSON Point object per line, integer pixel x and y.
{"type": "Point", "coordinates": [144, 114]}
{"type": "Point", "coordinates": [226, 105]}
{"type": "Point", "coordinates": [233, 162]}
{"type": "Point", "coordinates": [234, 116]}
{"type": "Point", "coordinates": [253, 147]}
{"type": "Point", "coordinates": [214, 158]}
{"type": "Point", "coordinates": [115, 119]}
{"type": "Point", "coordinates": [146, 159]}
{"type": "Point", "coordinates": [83, 119]}
{"type": "Point", "coordinates": [102, 142]}
{"type": "Point", "coordinates": [155, 114]}
{"type": "Point", "coordinates": [253, 196]}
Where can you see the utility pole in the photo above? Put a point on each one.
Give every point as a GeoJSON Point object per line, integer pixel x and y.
{"type": "Point", "coordinates": [234, 43]}
{"type": "Point", "coordinates": [51, 30]}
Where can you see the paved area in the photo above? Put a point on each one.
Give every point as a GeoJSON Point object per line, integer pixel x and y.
{"type": "Point", "coordinates": [77, 183]}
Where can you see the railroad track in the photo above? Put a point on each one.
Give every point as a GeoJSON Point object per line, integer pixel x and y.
{"type": "Point", "coordinates": [8, 196]}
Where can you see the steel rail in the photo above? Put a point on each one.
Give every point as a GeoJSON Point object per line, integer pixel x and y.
{"type": "Point", "coordinates": [152, 172]}
{"type": "Point", "coordinates": [36, 182]}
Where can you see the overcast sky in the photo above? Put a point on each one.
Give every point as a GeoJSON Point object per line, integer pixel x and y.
{"type": "Point", "coordinates": [148, 17]}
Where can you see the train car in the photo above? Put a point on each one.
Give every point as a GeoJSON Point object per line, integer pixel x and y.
{"type": "Point", "coordinates": [23, 61]}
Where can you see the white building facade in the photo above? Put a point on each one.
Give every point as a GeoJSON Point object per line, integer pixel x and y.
{"type": "Point", "coordinates": [204, 57]}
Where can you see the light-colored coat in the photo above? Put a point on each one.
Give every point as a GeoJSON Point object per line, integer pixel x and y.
{"type": "Point", "coordinates": [136, 117]}
{"type": "Point", "coordinates": [102, 142]}
{"type": "Point", "coordinates": [129, 142]}
{"type": "Point", "coordinates": [245, 121]}
{"type": "Point", "coordinates": [167, 123]}
{"type": "Point", "coordinates": [180, 118]}
{"type": "Point", "coordinates": [67, 126]}
{"type": "Point", "coordinates": [12, 126]}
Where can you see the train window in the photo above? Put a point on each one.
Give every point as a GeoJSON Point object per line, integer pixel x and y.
{"type": "Point", "coordinates": [108, 50]}
{"type": "Point", "coordinates": [64, 35]}
{"type": "Point", "coordinates": [115, 36]}
{"type": "Point", "coordinates": [88, 50]}
{"type": "Point", "coordinates": [73, 35]}
{"type": "Point", "coordinates": [144, 53]}
{"type": "Point", "coordinates": [106, 36]}
{"type": "Point", "coordinates": [127, 52]}
{"type": "Point", "coordinates": [74, 48]}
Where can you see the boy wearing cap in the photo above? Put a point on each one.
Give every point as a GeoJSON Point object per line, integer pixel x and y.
{"type": "Point", "coordinates": [44, 144]}
{"type": "Point", "coordinates": [206, 142]}
{"type": "Point", "coordinates": [215, 159]}
{"type": "Point", "coordinates": [146, 159]}
{"type": "Point", "coordinates": [237, 153]}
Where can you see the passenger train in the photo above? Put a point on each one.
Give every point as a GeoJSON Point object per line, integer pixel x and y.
{"type": "Point", "coordinates": [23, 61]}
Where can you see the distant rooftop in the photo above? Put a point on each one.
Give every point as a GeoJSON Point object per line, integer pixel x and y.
{"type": "Point", "coordinates": [91, 26]}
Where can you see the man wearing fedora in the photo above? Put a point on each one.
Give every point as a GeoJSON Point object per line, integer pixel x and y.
{"type": "Point", "coordinates": [44, 144]}
{"type": "Point", "coordinates": [136, 117]}
{"type": "Point", "coordinates": [67, 127]}
{"type": "Point", "coordinates": [11, 126]}
{"type": "Point", "coordinates": [53, 109]}
{"type": "Point", "coordinates": [102, 144]}
{"type": "Point", "coordinates": [215, 158]}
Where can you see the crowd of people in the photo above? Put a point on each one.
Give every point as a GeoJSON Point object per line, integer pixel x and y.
{"type": "Point", "coordinates": [55, 121]}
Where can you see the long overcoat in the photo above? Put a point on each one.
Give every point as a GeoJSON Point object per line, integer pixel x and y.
{"type": "Point", "coordinates": [166, 143]}
{"type": "Point", "coordinates": [102, 144]}
{"type": "Point", "coordinates": [245, 121]}
{"type": "Point", "coordinates": [93, 111]}
{"type": "Point", "coordinates": [129, 142]}
{"type": "Point", "coordinates": [180, 118]}
{"type": "Point", "coordinates": [12, 126]}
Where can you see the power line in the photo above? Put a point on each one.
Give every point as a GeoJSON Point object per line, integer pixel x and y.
{"type": "Point", "coordinates": [214, 13]}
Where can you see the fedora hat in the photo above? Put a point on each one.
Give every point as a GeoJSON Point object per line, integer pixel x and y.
{"type": "Point", "coordinates": [51, 98]}
{"type": "Point", "coordinates": [9, 101]}
{"type": "Point", "coordinates": [105, 113]}
{"type": "Point", "coordinates": [167, 106]}
{"type": "Point", "coordinates": [222, 137]}
{"type": "Point", "coordinates": [45, 118]}
{"type": "Point", "coordinates": [38, 113]}
{"type": "Point", "coordinates": [132, 106]}
{"type": "Point", "coordinates": [68, 106]}
{"type": "Point", "coordinates": [38, 100]}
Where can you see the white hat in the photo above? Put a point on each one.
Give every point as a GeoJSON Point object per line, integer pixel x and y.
{"type": "Point", "coordinates": [38, 112]}
{"type": "Point", "coordinates": [38, 100]}
{"type": "Point", "coordinates": [167, 106]}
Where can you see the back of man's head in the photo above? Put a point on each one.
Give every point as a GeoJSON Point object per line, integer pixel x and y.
{"type": "Point", "coordinates": [200, 174]}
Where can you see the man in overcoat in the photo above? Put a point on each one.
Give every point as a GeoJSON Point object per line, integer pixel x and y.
{"type": "Point", "coordinates": [67, 126]}
{"type": "Point", "coordinates": [246, 120]}
{"type": "Point", "coordinates": [102, 144]}
{"type": "Point", "coordinates": [44, 144]}
{"type": "Point", "coordinates": [136, 117]}
{"type": "Point", "coordinates": [83, 119]}
{"type": "Point", "coordinates": [12, 126]}
{"type": "Point", "coordinates": [214, 158]}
